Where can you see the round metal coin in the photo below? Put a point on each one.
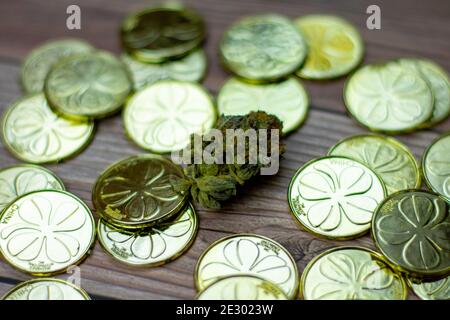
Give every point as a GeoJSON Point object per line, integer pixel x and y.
{"type": "Point", "coordinates": [435, 290]}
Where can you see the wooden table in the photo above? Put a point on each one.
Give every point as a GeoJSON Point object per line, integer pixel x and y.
{"type": "Point", "coordinates": [408, 29]}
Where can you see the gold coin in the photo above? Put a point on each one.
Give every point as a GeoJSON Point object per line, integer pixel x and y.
{"type": "Point", "coordinates": [287, 100]}
{"type": "Point", "coordinates": [351, 273]}
{"type": "Point", "coordinates": [162, 116]}
{"type": "Point", "coordinates": [137, 191]}
{"type": "Point", "coordinates": [335, 197]}
{"type": "Point", "coordinates": [152, 246]}
{"type": "Point", "coordinates": [243, 287]}
{"type": "Point", "coordinates": [46, 289]}
{"type": "Point", "coordinates": [248, 254]}
{"type": "Point", "coordinates": [88, 86]}
{"type": "Point", "coordinates": [24, 178]}
{"type": "Point", "coordinates": [434, 290]}
{"type": "Point", "coordinates": [45, 232]}
{"type": "Point", "coordinates": [32, 132]}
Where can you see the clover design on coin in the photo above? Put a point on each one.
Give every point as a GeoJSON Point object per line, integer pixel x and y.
{"type": "Point", "coordinates": [46, 289]}
{"type": "Point", "coordinates": [436, 166]}
{"type": "Point", "coordinates": [434, 290]}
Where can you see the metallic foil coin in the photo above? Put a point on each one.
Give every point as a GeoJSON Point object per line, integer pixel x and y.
{"type": "Point", "coordinates": [388, 98]}
{"type": "Point", "coordinates": [137, 191]}
{"type": "Point", "coordinates": [287, 100]}
{"type": "Point", "coordinates": [46, 232]}
{"type": "Point", "coordinates": [46, 289]}
{"type": "Point", "coordinates": [153, 246]}
{"type": "Point", "coordinates": [435, 290]}
{"type": "Point", "coordinates": [24, 178]}
{"type": "Point", "coordinates": [248, 254]}
{"type": "Point", "coordinates": [334, 46]}
{"type": "Point", "coordinates": [439, 83]}
{"type": "Point", "coordinates": [189, 68]}
{"type": "Point", "coordinates": [33, 133]}
{"type": "Point", "coordinates": [388, 157]}
{"type": "Point", "coordinates": [162, 116]}
{"type": "Point", "coordinates": [351, 273]}
{"type": "Point", "coordinates": [436, 166]}
{"type": "Point", "coordinates": [88, 86]}
{"type": "Point", "coordinates": [38, 63]}
{"type": "Point", "coordinates": [158, 34]}
{"type": "Point", "coordinates": [263, 48]}
{"type": "Point", "coordinates": [335, 197]}
{"type": "Point", "coordinates": [243, 287]}
{"type": "Point", "coordinates": [411, 228]}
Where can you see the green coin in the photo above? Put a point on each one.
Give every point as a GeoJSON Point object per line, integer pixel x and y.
{"type": "Point", "coordinates": [388, 157]}
{"type": "Point", "coordinates": [388, 98]}
{"type": "Point", "coordinates": [287, 100]}
{"type": "Point", "coordinates": [159, 34]}
{"type": "Point", "coordinates": [411, 228]}
{"type": "Point", "coordinates": [263, 48]}
{"type": "Point", "coordinates": [33, 133]}
{"type": "Point", "coordinates": [436, 166]}
{"type": "Point", "coordinates": [189, 68]}
{"type": "Point", "coordinates": [38, 63]}
{"type": "Point", "coordinates": [88, 86]}
{"type": "Point", "coordinates": [434, 290]}
{"type": "Point", "coordinates": [439, 83]}
{"type": "Point", "coordinates": [161, 117]}
{"type": "Point", "coordinates": [335, 46]}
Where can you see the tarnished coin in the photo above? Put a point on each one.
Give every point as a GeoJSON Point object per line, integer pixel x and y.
{"type": "Point", "coordinates": [46, 232]}
{"type": "Point", "coordinates": [335, 197]}
{"type": "Point", "coordinates": [411, 228]}
{"type": "Point", "coordinates": [152, 246]}
{"type": "Point", "coordinates": [88, 86]}
{"type": "Point", "coordinates": [162, 116]}
{"type": "Point", "coordinates": [435, 290]}
{"type": "Point", "coordinates": [263, 48]}
{"type": "Point", "coordinates": [436, 166]}
{"type": "Point", "coordinates": [439, 83]}
{"type": "Point", "coordinates": [158, 34]}
{"type": "Point", "coordinates": [38, 63]}
{"type": "Point", "coordinates": [137, 191]}
{"type": "Point", "coordinates": [388, 157]}
{"type": "Point", "coordinates": [388, 98]}
{"type": "Point", "coordinates": [189, 68]}
{"type": "Point", "coordinates": [287, 100]}
{"type": "Point", "coordinates": [32, 132]}
{"type": "Point", "coordinates": [351, 273]}
{"type": "Point", "coordinates": [24, 178]}
{"type": "Point", "coordinates": [46, 289]}
{"type": "Point", "coordinates": [243, 287]}
{"type": "Point", "coordinates": [247, 254]}
{"type": "Point", "coordinates": [334, 46]}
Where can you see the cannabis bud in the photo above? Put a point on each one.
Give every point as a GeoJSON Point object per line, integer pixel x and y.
{"type": "Point", "coordinates": [235, 157]}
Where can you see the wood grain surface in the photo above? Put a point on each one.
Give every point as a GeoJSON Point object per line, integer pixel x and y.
{"type": "Point", "coordinates": [409, 29]}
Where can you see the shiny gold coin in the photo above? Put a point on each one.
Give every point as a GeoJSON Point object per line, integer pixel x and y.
{"type": "Point", "coordinates": [387, 157]}
{"type": "Point", "coordinates": [32, 132]}
{"type": "Point", "coordinates": [242, 288]}
{"type": "Point", "coordinates": [153, 246]}
{"type": "Point", "coordinates": [158, 34]}
{"type": "Point", "coordinates": [46, 289]}
{"type": "Point", "coordinates": [263, 48]}
{"type": "Point", "coordinates": [411, 228]}
{"type": "Point", "coordinates": [88, 86]}
{"type": "Point", "coordinates": [45, 232]}
{"type": "Point", "coordinates": [287, 100]}
{"type": "Point", "coordinates": [335, 197]}
{"type": "Point", "coordinates": [248, 254]}
{"type": "Point", "coordinates": [190, 68]}
{"type": "Point", "coordinates": [162, 116]}
{"type": "Point", "coordinates": [388, 98]}
{"type": "Point", "coordinates": [38, 63]}
{"type": "Point", "coordinates": [435, 290]}
{"type": "Point", "coordinates": [20, 179]}
{"type": "Point", "coordinates": [334, 46]}
{"type": "Point", "coordinates": [351, 273]}
{"type": "Point", "coordinates": [436, 166]}
{"type": "Point", "coordinates": [137, 191]}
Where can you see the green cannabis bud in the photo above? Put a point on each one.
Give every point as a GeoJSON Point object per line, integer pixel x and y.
{"type": "Point", "coordinates": [214, 182]}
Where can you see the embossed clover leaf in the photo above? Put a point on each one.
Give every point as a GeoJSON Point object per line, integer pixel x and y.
{"type": "Point", "coordinates": [440, 166]}
{"type": "Point", "coordinates": [46, 292]}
